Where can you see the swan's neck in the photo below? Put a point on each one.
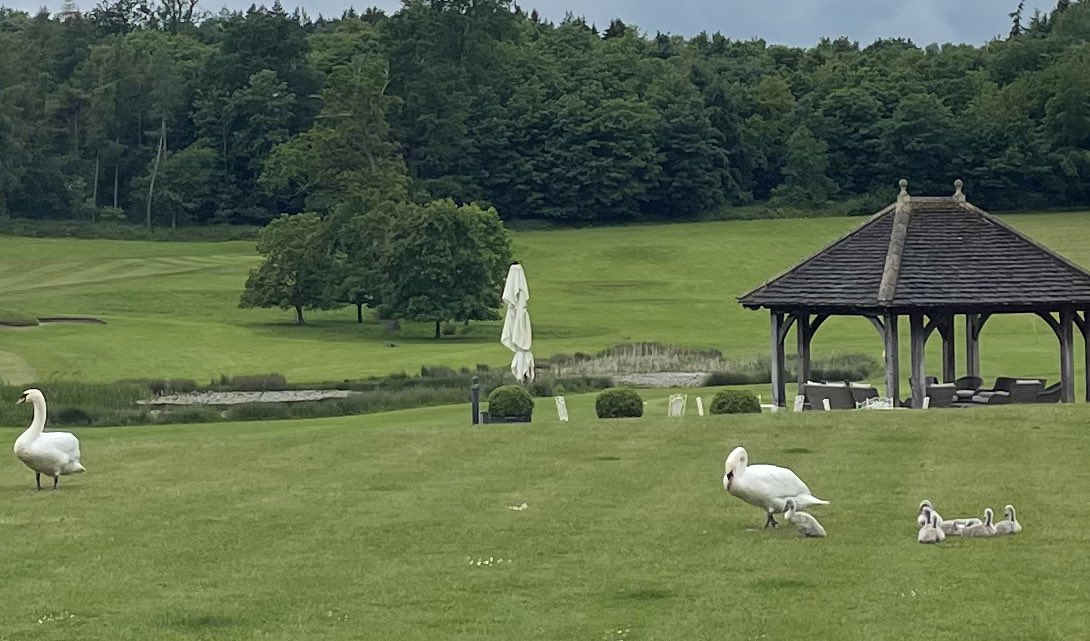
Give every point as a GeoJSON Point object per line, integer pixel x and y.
{"type": "Point", "coordinates": [38, 424]}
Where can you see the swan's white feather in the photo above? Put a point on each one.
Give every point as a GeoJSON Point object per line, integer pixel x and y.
{"type": "Point", "coordinates": [769, 486]}
{"type": "Point", "coordinates": [765, 486]}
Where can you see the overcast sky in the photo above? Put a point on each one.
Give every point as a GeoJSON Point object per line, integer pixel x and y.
{"type": "Point", "coordinates": [793, 22]}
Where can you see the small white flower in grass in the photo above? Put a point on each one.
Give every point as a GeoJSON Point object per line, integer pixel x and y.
{"type": "Point", "coordinates": [518, 508]}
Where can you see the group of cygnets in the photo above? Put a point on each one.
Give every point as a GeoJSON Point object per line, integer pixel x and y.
{"type": "Point", "coordinates": [935, 529]}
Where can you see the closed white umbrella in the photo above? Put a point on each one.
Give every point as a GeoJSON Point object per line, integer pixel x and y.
{"type": "Point", "coordinates": [517, 334]}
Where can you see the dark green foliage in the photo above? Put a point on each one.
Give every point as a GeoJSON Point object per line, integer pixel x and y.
{"type": "Point", "coordinates": [80, 404]}
{"type": "Point", "coordinates": [510, 400]}
{"type": "Point", "coordinates": [17, 318]}
{"type": "Point", "coordinates": [443, 262]}
{"type": "Point", "coordinates": [731, 401]}
{"type": "Point", "coordinates": [160, 386]}
{"type": "Point", "coordinates": [134, 115]}
{"type": "Point", "coordinates": [252, 383]}
{"type": "Point", "coordinates": [839, 367]}
{"type": "Point", "coordinates": [618, 402]}
{"type": "Point", "coordinates": [298, 269]}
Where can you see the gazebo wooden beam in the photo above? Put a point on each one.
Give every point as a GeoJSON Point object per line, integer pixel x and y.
{"type": "Point", "coordinates": [777, 362]}
{"type": "Point", "coordinates": [893, 357]}
{"type": "Point", "coordinates": [1084, 326]}
{"type": "Point", "coordinates": [918, 334]}
{"type": "Point", "coordinates": [945, 324]}
{"type": "Point", "coordinates": [804, 333]}
{"type": "Point", "coordinates": [1064, 327]}
{"type": "Point", "coordinates": [973, 324]}
{"type": "Point", "coordinates": [1067, 355]}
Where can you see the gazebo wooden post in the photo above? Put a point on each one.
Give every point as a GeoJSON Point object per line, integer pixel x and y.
{"type": "Point", "coordinates": [919, 369]}
{"type": "Point", "coordinates": [1067, 355]}
{"type": "Point", "coordinates": [949, 357]}
{"type": "Point", "coordinates": [804, 334]}
{"type": "Point", "coordinates": [1085, 327]}
{"type": "Point", "coordinates": [778, 389]}
{"type": "Point", "coordinates": [972, 344]}
{"type": "Point", "coordinates": [893, 358]}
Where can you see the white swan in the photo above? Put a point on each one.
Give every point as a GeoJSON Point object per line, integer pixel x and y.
{"type": "Point", "coordinates": [921, 515]}
{"type": "Point", "coordinates": [805, 522]}
{"type": "Point", "coordinates": [981, 530]}
{"type": "Point", "coordinates": [1011, 525]}
{"type": "Point", "coordinates": [766, 486]}
{"type": "Point", "coordinates": [51, 453]}
{"type": "Point", "coordinates": [930, 532]}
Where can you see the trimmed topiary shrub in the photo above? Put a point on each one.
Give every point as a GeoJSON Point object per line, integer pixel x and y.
{"type": "Point", "coordinates": [618, 402]}
{"type": "Point", "coordinates": [510, 401]}
{"type": "Point", "coordinates": [733, 401]}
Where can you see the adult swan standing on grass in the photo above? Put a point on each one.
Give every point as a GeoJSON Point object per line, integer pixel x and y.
{"type": "Point", "coordinates": [766, 486]}
{"type": "Point", "coordinates": [52, 453]}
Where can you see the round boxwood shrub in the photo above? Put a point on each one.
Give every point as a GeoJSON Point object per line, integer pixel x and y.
{"type": "Point", "coordinates": [733, 401]}
{"type": "Point", "coordinates": [510, 400]}
{"type": "Point", "coordinates": [618, 402]}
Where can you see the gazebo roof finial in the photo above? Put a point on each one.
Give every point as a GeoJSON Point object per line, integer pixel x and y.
{"type": "Point", "coordinates": [903, 183]}
{"type": "Point", "coordinates": [958, 196]}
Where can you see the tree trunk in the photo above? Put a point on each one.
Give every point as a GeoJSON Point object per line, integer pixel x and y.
{"type": "Point", "coordinates": [155, 169]}
{"type": "Point", "coordinates": [437, 333]}
{"type": "Point", "coordinates": [94, 189]}
{"type": "Point", "coordinates": [359, 313]}
{"type": "Point", "coordinates": [298, 315]}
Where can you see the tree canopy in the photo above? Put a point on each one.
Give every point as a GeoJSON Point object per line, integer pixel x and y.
{"type": "Point", "coordinates": [162, 114]}
{"type": "Point", "coordinates": [443, 262]}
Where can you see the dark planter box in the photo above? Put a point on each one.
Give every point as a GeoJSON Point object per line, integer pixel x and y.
{"type": "Point", "coordinates": [516, 419]}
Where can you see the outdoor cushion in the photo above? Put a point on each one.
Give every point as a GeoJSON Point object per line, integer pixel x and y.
{"type": "Point", "coordinates": [992, 397]}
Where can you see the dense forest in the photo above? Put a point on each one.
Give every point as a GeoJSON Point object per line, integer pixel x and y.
{"type": "Point", "coordinates": [166, 115]}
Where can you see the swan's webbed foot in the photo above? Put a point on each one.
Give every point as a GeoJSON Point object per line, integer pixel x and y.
{"type": "Point", "coordinates": [771, 522]}
{"type": "Point", "coordinates": [38, 480]}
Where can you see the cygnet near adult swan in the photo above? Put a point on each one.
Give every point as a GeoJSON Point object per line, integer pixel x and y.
{"type": "Point", "coordinates": [55, 454]}
{"type": "Point", "coordinates": [804, 521]}
{"type": "Point", "coordinates": [766, 486]}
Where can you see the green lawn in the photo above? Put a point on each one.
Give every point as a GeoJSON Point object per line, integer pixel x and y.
{"type": "Point", "coordinates": [371, 527]}
{"type": "Point", "coordinates": [172, 308]}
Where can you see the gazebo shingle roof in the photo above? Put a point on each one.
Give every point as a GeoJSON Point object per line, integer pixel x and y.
{"type": "Point", "coordinates": [950, 255]}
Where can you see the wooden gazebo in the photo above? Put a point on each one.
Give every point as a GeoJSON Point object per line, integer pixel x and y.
{"type": "Point", "coordinates": [930, 259]}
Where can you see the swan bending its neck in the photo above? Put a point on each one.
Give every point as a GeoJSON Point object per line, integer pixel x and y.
{"type": "Point", "coordinates": [38, 424]}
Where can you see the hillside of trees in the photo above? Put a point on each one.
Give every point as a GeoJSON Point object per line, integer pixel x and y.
{"type": "Point", "coordinates": [164, 115]}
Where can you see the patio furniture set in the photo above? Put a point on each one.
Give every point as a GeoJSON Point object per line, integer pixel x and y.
{"type": "Point", "coordinates": [967, 391]}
